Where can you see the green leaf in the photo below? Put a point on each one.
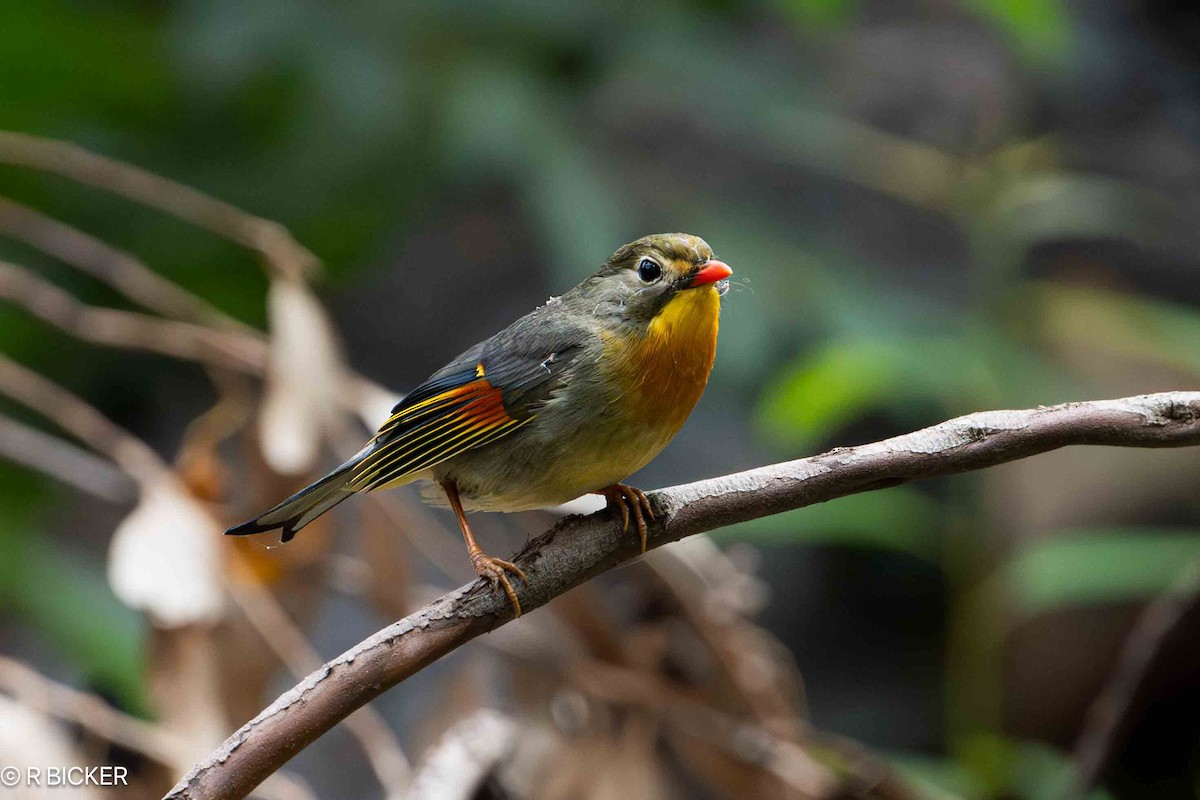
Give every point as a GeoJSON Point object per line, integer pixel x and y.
{"type": "Point", "coordinates": [1091, 566]}
{"type": "Point", "coordinates": [1039, 29]}
{"type": "Point", "coordinates": [819, 13]}
{"type": "Point", "coordinates": [1021, 770]}
{"type": "Point", "coordinates": [828, 389]}
{"type": "Point", "coordinates": [938, 778]}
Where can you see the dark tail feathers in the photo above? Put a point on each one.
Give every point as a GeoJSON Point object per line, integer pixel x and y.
{"type": "Point", "coordinates": [304, 506]}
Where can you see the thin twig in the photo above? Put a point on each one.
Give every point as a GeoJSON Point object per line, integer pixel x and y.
{"type": "Point", "coordinates": [578, 549]}
{"type": "Point", "coordinates": [279, 250]}
{"type": "Point", "coordinates": [81, 420]}
{"type": "Point", "coordinates": [282, 253]}
{"type": "Point", "coordinates": [63, 461]}
{"type": "Point", "coordinates": [106, 263]}
{"type": "Point", "coordinates": [145, 287]}
{"type": "Point", "coordinates": [128, 329]}
{"type": "Point", "coordinates": [1109, 716]}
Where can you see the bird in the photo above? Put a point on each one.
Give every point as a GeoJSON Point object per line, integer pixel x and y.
{"type": "Point", "coordinates": [569, 400]}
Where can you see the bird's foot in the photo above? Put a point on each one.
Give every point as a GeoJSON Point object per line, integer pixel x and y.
{"type": "Point", "coordinates": [494, 570]}
{"type": "Point", "coordinates": [631, 502]}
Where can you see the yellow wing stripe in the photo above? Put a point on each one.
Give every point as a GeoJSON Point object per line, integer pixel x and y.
{"type": "Point", "coordinates": [431, 456]}
{"type": "Point", "coordinates": [414, 439]}
{"type": "Point", "coordinates": [428, 405]}
{"type": "Point", "coordinates": [449, 449]}
{"type": "Point", "coordinates": [441, 426]}
{"type": "Point", "coordinates": [412, 444]}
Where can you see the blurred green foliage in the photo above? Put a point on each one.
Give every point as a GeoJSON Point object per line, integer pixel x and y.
{"type": "Point", "coordinates": [1039, 29]}
{"type": "Point", "coordinates": [65, 599]}
{"type": "Point", "coordinates": [886, 271]}
{"type": "Point", "coordinates": [996, 767]}
{"type": "Point", "coordinates": [1098, 566]}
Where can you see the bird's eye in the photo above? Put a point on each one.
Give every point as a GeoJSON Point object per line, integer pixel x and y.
{"type": "Point", "coordinates": [649, 271]}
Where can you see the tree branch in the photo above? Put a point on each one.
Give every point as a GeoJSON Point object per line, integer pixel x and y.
{"type": "Point", "coordinates": [579, 548]}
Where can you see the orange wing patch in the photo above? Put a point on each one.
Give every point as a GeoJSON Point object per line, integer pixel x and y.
{"type": "Point", "coordinates": [436, 428]}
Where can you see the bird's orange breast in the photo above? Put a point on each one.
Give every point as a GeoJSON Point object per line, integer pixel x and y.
{"type": "Point", "coordinates": [662, 372]}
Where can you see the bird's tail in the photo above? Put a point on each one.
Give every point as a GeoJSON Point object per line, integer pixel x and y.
{"type": "Point", "coordinates": [305, 505]}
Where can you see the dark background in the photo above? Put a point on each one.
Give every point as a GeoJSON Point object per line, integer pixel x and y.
{"type": "Point", "coordinates": [931, 208]}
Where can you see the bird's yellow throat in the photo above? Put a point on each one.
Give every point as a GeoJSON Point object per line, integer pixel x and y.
{"type": "Point", "coordinates": [691, 318]}
{"type": "Point", "coordinates": [663, 372]}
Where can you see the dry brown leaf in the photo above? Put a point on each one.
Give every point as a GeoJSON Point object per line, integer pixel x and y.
{"type": "Point", "coordinates": [164, 558]}
{"type": "Point", "coordinates": [304, 377]}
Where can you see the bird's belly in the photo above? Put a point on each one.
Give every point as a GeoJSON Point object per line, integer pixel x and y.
{"type": "Point", "coordinates": [528, 472]}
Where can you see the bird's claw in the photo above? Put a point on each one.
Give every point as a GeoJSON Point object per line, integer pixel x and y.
{"type": "Point", "coordinates": [494, 571]}
{"type": "Point", "coordinates": [631, 501]}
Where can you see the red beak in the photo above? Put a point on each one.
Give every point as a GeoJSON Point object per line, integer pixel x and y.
{"type": "Point", "coordinates": [711, 272]}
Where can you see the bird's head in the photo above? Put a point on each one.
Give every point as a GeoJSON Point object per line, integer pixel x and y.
{"type": "Point", "coordinates": [663, 273]}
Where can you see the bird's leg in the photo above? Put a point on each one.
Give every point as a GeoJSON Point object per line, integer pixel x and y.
{"type": "Point", "coordinates": [629, 499]}
{"type": "Point", "coordinates": [488, 567]}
